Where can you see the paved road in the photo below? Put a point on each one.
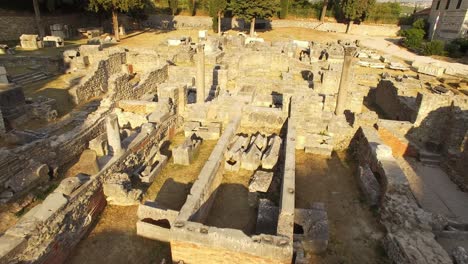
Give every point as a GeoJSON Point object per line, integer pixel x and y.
{"type": "Point", "coordinates": [435, 191]}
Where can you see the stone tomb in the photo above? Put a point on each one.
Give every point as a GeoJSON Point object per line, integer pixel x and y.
{"type": "Point", "coordinates": [31, 42]}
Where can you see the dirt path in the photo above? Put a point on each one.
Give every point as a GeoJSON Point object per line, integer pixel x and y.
{"type": "Point", "coordinates": [435, 191]}
{"type": "Point", "coordinates": [355, 234]}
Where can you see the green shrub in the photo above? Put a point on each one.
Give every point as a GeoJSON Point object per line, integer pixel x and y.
{"type": "Point", "coordinates": [413, 37]}
{"type": "Point", "coordinates": [457, 47]}
{"type": "Point", "coordinates": [419, 24]}
{"type": "Point", "coordinates": [435, 47]}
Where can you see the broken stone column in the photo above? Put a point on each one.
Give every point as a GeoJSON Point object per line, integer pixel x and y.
{"type": "Point", "coordinates": [113, 134]}
{"type": "Point", "coordinates": [200, 79]}
{"type": "Point", "coordinates": [345, 79]}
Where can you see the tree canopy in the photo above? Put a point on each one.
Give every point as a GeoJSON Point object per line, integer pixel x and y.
{"type": "Point", "coordinates": [251, 9]}
{"type": "Point", "coordinates": [116, 5]}
{"type": "Point", "coordinates": [216, 7]}
{"type": "Point", "coordinates": [356, 10]}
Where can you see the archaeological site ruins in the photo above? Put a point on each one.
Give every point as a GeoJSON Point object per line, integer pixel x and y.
{"type": "Point", "coordinates": [231, 149]}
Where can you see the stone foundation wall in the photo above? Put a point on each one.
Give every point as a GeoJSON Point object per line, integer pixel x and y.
{"type": "Point", "coordinates": [96, 83]}
{"type": "Point", "coordinates": [49, 231]}
{"type": "Point", "coordinates": [50, 64]}
{"type": "Point", "coordinates": [394, 105]}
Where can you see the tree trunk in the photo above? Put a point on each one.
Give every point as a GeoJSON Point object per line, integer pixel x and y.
{"type": "Point", "coordinates": [219, 23]}
{"type": "Point", "coordinates": [252, 27]}
{"type": "Point", "coordinates": [324, 11]}
{"type": "Point", "coordinates": [194, 2]}
{"type": "Point", "coordinates": [39, 25]}
{"type": "Point", "coordinates": [348, 27]}
{"type": "Point", "coordinates": [115, 23]}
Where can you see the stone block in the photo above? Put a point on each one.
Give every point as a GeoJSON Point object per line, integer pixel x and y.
{"type": "Point", "coordinates": [271, 155]}
{"type": "Point", "coordinates": [138, 107]}
{"type": "Point", "coordinates": [53, 41]}
{"type": "Point", "coordinates": [314, 222]}
{"type": "Point", "coordinates": [11, 246]}
{"type": "Point", "coordinates": [152, 171]}
{"type": "Point", "coordinates": [184, 153]}
{"type": "Point", "coordinates": [430, 69]}
{"type": "Point", "coordinates": [369, 185]}
{"type": "Point", "coordinates": [211, 131]}
{"type": "Point", "coordinates": [54, 202]}
{"type": "Point", "coordinates": [30, 41]}
{"type": "Point", "coordinates": [69, 185]}
{"type": "Point", "coordinates": [158, 117]}
{"type": "Point", "coordinates": [261, 181]}
{"type": "Point", "coordinates": [99, 145]}
{"type": "Point", "coordinates": [118, 190]}
{"type": "Point", "coordinates": [251, 159]}
{"type": "Point", "coordinates": [33, 173]}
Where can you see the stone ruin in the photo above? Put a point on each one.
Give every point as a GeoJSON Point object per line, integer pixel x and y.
{"type": "Point", "coordinates": [260, 102]}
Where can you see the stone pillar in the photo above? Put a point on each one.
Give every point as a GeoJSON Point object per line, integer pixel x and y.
{"type": "Point", "coordinates": [346, 78]}
{"type": "Point", "coordinates": [2, 124]}
{"type": "Point", "coordinates": [182, 100]}
{"type": "Point", "coordinates": [113, 134]}
{"type": "Point", "coordinates": [200, 79]}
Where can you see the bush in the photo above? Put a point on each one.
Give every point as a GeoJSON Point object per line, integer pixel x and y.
{"type": "Point", "coordinates": [215, 24]}
{"type": "Point", "coordinates": [413, 38]}
{"type": "Point", "coordinates": [457, 47]}
{"type": "Point", "coordinates": [435, 47]}
{"type": "Point", "coordinates": [419, 24]}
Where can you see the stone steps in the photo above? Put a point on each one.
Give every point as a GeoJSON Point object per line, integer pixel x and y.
{"type": "Point", "coordinates": [27, 78]}
{"type": "Point", "coordinates": [429, 158]}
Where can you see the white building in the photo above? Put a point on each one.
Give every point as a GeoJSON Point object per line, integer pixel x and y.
{"type": "Point", "coordinates": [448, 19]}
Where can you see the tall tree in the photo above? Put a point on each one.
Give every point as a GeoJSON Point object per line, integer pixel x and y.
{"type": "Point", "coordinates": [284, 9]}
{"type": "Point", "coordinates": [192, 6]}
{"type": "Point", "coordinates": [174, 6]}
{"type": "Point", "coordinates": [217, 7]}
{"type": "Point", "coordinates": [115, 6]}
{"type": "Point", "coordinates": [324, 11]}
{"type": "Point", "coordinates": [37, 12]}
{"type": "Point", "coordinates": [355, 10]}
{"type": "Point", "coordinates": [252, 9]}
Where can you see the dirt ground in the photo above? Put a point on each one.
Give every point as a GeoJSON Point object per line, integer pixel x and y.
{"type": "Point", "coordinates": [114, 240]}
{"type": "Point", "coordinates": [231, 207]}
{"type": "Point", "coordinates": [354, 231]}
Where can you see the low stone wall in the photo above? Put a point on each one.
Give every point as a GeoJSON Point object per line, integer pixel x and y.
{"type": "Point", "coordinates": [362, 29]}
{"type": "Point", "coordinates": [50, 64]}
{"type": "Point", "coordinates": [288, 186]}
{"type": "Point", "coordinates": [96, 83]}
{"type": "Point", "coordinates": [49, 232]}
{"type": "Point", "coordinates": [203, 191]}
{"type": "Point", "coordinates": [410, 237]}
{"type": "Point", "coordinates": [13, 25]}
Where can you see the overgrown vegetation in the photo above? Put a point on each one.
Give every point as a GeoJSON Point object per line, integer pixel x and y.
{"type": "Point", "coordinates": [414, 39]}
{"type": "Point", "coordinates": [253, 9]}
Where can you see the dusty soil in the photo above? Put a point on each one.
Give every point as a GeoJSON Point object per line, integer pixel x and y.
{"type": "Point", "coordinates": [231, 206]}
{"type": "Point", "coordinates": [115, 232]}
{"type": "Point", "coordinates": [354, 231]}
{"type": "Point", "coordinates": [114, 240]}
{"type": "Point", "coordinates": [173, 183]}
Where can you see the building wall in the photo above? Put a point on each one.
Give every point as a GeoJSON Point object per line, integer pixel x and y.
{"type": "Point", "coordinates": [452, 22]}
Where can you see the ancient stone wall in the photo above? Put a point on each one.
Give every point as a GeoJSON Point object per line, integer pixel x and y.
{"type": "Point", "coordinates": [203, 191]}
{"type": "Point", "coordinates": [390, 98]}
{"type": "Point", "coordinates": [47, 63]}
{"type": "Point", "coordinates": [409, 237]}
{"type": "Point", "coordinates": [13, 25]}
{"type": "Point", "coordinates": [96, 83]}
{"type": "Point", "coordinates": [49, 231]}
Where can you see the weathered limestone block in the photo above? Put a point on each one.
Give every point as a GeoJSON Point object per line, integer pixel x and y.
{"type": "Point", "coordinates": [3, 76]}
{"type": "Point", "coordinates": [138, 107]}
{"type": "Point", "coordinates": [30, 42]}
{"type": "Point", "coordinates": [251, 159]}
{"type": "Point", "coordinates": [408, 247]}
{"type": "Point", "coordinates": [314, 222]}
{"type": "Point", "coordinates": [261, 181]}
{"type": "Point", "coordinates": [260, 141]}
{"type": "Point", "coordinates": [11, 246]}
{"type": "Point", "coordinates": [184, 153]}
{"type": "Point", "coordinates": [118, 190]}
{"type": "Point", "coordinates": [150, 172]}
{"type": "Point", "coordinates": [211, 131]}
{"type": "Point", "coordinates": [69, 185]}
{"type": "Point", "coordinates": [232, 165]}
{"type": "Point", "coordinates": [53, 41]}
{"type": "Point", "coordinates": [190, 127]}
{"type": "Point", "coordinates": [99, 145]}
{"type": "Point", "coordinates": [128, 119]}
{"type": "Point", "coordinates": [460, 255]}
{"type": "Point", "coordinates": [33, 173]}
{"type": "Point", "coordinates": [369, 185]}
{"type": "Point", "coordinates": [53, 203]}
{"type": "Point", "coordinates": [429, 69]}
{"type": "Point", "coordinates": [158, 117]}
{"type": "Point", "coordinates": [155, 211]}
{"type": "Point", "coordinates": [271, 155]}
{"type": "Point", "coordinates": [238, 144]}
